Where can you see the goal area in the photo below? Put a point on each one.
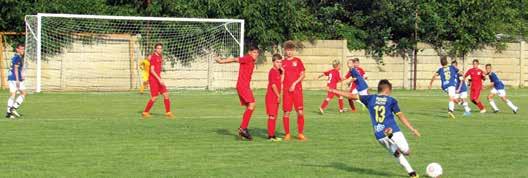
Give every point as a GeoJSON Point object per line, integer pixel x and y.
{"type": "Point", "coordinates": [69, 52]}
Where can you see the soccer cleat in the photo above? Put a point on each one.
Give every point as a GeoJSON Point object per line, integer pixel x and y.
{"type": "Point", "coordinates": [483, 111]}
{"type": "Point", "coordinates": [8, 115]}
{"type": "Point", "coordinates": [515, 111]}
{"type": "Point", "coordinates": [353, 110]}
{"type": "Point", "coordinates": [414, 175]}
{"type": "Point", "coordinates": [451, 115]}
{"type": "Point", "coordinates": [287, 137]}
{"type": "Point", "coordinates": [496, 111]}
{"type": "Point", "coordinates": [341, 111]}
{"type": "Point", "coordinates": [14, 112]}
{"type": "Point", "coordinates": [274, 139]}
{"type": "Point", "coordinates": [321, 110]}
{"type": "Point", "coordinates": [301, 137]}
{"type": "Point", "coordinates": [467, 113]}
{"type": "Point", "coordinates": [169, 115]}
{"type": "Point", "coordinates": [244, 134]}
{"type": "Point", "coordinates": [145, 115]}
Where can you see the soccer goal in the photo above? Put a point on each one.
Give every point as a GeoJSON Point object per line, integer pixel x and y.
{"type": "Point", "coordinates": [104, 53]}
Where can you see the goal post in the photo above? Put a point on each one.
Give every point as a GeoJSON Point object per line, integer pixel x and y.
{"type": "Point", "coordinates": [103, 53]}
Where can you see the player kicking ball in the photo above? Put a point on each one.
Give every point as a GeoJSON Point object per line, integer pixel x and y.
{"type": "Point", "coordinates": [292, 95]}
{"type": "Point", "coordinates": [498, 89]}
{"type": "Point", "coordinates": [461, 93]}
{"type": "Point", "coordinates": [157, 85]}
{"type": "Point", "coordinates": [382, 108]}
{"type": "Point", "coordinates": [273, 95]}
{"type": "Point", "coordinates": [334, 77]}
{"type": "Point", "coordinates": [448, 75]}
{"type": "Point", "coordinates": [245, 71]}
{"type": "Point", "coordinates": [16, 83]}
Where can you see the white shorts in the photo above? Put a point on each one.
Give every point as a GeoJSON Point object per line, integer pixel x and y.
{"type": "Point", "coordinates": [13, 88]}
{"type": "Point", "coordinates": [360, 93]}
{"type": "Point", "coordinates": [461, 95]}
{"type": "Point", "coordinates": [501, 92]}
{"type": "Point", "coordinates": [400, 143]}
{"type": "Point", "coordinates": [451, 91]}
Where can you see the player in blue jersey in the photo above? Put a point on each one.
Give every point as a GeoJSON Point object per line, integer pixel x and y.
{"type": "Point", "coordinates": [448, 75]}
{"type": "Point", "coordinates": [357, 78]}
{"type": "Point", "coordinates": [16, 82]}
{"type": "Point", "coordinates": [461, 92]}
{"type": "Point", "coordinates": [497, 88]}
{"type": "Point", "coordinates": [382, 108]}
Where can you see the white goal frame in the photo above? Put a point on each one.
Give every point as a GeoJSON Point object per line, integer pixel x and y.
{"type": "Point", "coordinates": [38, 32]}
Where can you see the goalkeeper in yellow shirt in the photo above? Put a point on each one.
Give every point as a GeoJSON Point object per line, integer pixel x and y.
{"type": "Point", "coordinates": [144, 66]}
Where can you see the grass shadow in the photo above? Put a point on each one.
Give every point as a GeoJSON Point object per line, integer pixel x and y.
{"type": "Point", "coordinates": [359, 170]}
{"type": "Point", "coordinates": [226, 132]}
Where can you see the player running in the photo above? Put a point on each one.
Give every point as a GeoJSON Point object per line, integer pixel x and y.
{"type": "Point", "coordinates": [353, 85]}
{"type": "Point", "coordinates": [448, 77]}
{"type": "Point", "coordinates": [157, 85]}
{"type": "Point", "coordinates": [16, 82]}
{"type": "Point", "coordinates": [497, 88]}
{"type": "Point", "coordinates": [477, 76]}
{"type": "Point", "coordinates": [461, 93]}
{"type": "Point", "coordinates": [382, 108]}
{"type": "Point", "coordinates": [292, 94]}
{"type": "Point", "coordinates": [273, 95]}
{"type": "Point", "coordinates": [245, 94]}
{"type": "Point", "coordinates": [334, 77]}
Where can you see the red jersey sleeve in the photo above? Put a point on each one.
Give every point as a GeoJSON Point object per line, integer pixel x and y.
{"type": "Point", "coordinates": [301, 65]}
{"type": "Point", "coordinates": [326, 73]}
{"type": "Point", "coordinates": [347, 76]}
{"type": "Point", "coordinates": [244, 59]}
{"type": "Point", "coordinates": [467, 73]}
{"type": "Point", "coordinates": [273, 77]}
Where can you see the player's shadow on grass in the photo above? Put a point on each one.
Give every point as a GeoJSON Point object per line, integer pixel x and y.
{"type": "Point", "coordinates": [348, 168]}
{"type": "Point", "coordinates": [226, 132]}
{"type": "Point", "coordinates": [255, 132]}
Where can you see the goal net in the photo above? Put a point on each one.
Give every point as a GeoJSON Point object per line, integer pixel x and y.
{"type": "Point", "coordinates": [104, 53]}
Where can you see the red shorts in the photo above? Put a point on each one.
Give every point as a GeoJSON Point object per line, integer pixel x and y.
{"type": "Point", "coordinates": [475, 93]}
{"type": "Point", "coordinates": [156, 88]}
{"type": "Point", "coordinates": [290, 99]}
{"type": "Point", "coordinates": [245, 95]}
{"type": "Point", "coordinates": [272, 104]}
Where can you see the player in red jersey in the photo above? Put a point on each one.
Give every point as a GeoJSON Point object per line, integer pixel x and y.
{"type": "Point", "coordinates": [245, 71]}
{"type": "Point", "coordinates": [157, 85]}
{"type": "Point", "coordinates": [292, 90]}
{"type": "Point", "coordinates": [353, 87]}
{"type": "Point", "coordinates": [273, 95]}
{"type": "Point", "coordinates": [477, 76]}
{"type": "Point", "coordinates": [334, 77]}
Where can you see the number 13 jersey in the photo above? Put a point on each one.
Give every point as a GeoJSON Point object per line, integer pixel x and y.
{"type": "Point", "coordinates": [382, 110]}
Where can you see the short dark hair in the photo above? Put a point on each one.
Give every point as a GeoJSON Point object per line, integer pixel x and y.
{"type": "Point", "coordinates": [289, 45]}
{"type": "Point", "coordinates": [355, 59]}
{"type": "Point", "coordinates": [454, 62]}
{"type": "Point", "coordinates": [383, 84]}
{"type": "Point", "coordinates": [475, 60]}
{"type": "Point", "coordinates": [20, 45]}
{"type": "Point", "coordinates": [488, 65]}
{"type": "Point", "coordinates": [158, 44]}
{"type": "Point", "coordinates": [253, 48]}
{"type": "Point", "coordinates": [276, 57]}
{"type": "Point", "coordinates": [443, 60]}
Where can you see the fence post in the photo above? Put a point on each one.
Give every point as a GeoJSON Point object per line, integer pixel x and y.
{"type": "Point", "coordinates": [521, 64]}
{"type": "Point", "coordinates": [344, 68]}
{"type": "Point", "coordinates": [210, 72]}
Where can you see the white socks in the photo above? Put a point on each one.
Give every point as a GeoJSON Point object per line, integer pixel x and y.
{"type": "Point", "coordinates": [451, 106]}
{"type": "Point", "coordinates": [18, 101]}
{"type": "Point", "coordinates": [10, 103]}
{"type": "Point", "coordinates": [511, 105]}
{"type": "Point", "coordinates": [404, 163]}
{"type": "Point", "coordinates": [493, 105]}
{"type": "Point", "coordinates": [466, 106]}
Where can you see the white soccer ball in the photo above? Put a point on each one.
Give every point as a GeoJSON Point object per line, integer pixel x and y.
{"type": "Point", "coordinates": [434, 170]}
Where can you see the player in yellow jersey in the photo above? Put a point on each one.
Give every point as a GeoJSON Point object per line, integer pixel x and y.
{"type": "Point", "coordinates": [144, 66]}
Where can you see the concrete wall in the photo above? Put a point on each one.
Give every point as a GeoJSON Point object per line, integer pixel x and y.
{"type": "Point", "coordinates": [113, 66]}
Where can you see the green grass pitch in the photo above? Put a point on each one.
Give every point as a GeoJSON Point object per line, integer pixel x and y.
{"type": "Point", "coordinates": [101, 135]}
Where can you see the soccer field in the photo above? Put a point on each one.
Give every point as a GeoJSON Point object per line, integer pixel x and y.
{"type": "Point", "coordinates": [102, 135]}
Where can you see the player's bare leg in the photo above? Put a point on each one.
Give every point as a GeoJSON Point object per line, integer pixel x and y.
{"type": "Point", "coordinates": [286, 125]}
{"type": "Point", "coordinates": [510, 104]}
{"type": "Point", "coordinates": [166, 101]}
{"type": "Point", "coordinates": [300, 125]}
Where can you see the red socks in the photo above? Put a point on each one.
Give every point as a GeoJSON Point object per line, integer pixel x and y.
{"type": "Point", "coordinates": [246, 118]}
{"type": "Point", "coordinates": [286, 122]}
{"type": "Point", "coordinates": [480, 105]}
{"type": "Point", "coordinates": [324, 104]}
{"type": "Point", "coordinates": [351, 103]}
{"type": "Point", "coordinates": [150, 103]}
{"type": "Point", "coordinates": [340, 104]}
{"type": "Point", "coordinates": [271, 126]}
{"type": "Point", "coordinates": [300, 123]}
{"type": "Point", "coordinates": [167, 105]}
